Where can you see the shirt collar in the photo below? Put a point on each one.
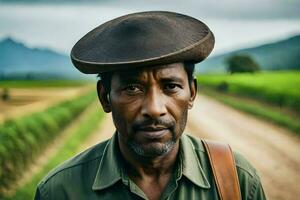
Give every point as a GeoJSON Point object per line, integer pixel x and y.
{"type": "Point", "coordinates": [191, 167]}
{"type": "Point", "coordinates": [110, 169]}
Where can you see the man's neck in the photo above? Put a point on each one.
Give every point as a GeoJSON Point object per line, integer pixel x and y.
{"type": "Point", "coordinates": [149, 167]}
{"type": "Point", "coordinates": [151, 174]}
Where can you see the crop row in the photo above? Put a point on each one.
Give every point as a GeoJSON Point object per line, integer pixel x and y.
{"type": "Point", "coordinates": [23, 138]}
{"type": "Point", "coordinates": [41, 83]}
{"type": "Point", "coordinates": [88, 124]}
{"type": "Point", "coordinates": [279, 89]}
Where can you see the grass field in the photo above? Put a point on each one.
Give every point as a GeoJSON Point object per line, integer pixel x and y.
{"type": "Point", "coordinates": [280, 88]}
{"type": "Point", "coordinates": [19, 101]}
{"type": "Point", "coordinates": [274, 96]}
{"type": "Point", "coordinates": [23, 137]}
{"type": "Point", "coordinates": [261, 110]}
{"type": "Point", "coordinates": [41, 83]}
{"type": "Point", "coordinates": [70, 148]}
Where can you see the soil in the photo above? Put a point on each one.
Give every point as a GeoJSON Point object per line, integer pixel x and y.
{"type": "Point", "coordinates": [273, 151]}
{"type": "Point", "coordinates": [105, 131]}
{"type": "Point", "coordinates": [25, 101]}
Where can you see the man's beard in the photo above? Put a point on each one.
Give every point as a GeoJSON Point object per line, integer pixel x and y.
{"type": "Point", "coordinates": [154, 149]}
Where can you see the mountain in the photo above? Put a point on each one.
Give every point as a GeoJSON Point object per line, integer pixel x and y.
{"type": "Point", "coordinates": [18, 60]}
{"type": "Point", "coordinates": [281, 55]}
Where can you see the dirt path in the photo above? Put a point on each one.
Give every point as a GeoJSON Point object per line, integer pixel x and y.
{"type": "Point", "coordinates": [105, 131]}
{"type": "Point", "coordinates": [273, 151]}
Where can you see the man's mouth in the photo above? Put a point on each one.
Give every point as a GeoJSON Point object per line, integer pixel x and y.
{"type": "Point", "coordinates": [152, 132]}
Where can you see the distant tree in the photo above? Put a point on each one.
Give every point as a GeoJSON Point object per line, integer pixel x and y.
{"type": "Point", "coordinates": [5, 94]}
{"type": "Point", "coordinates": [241, 63]}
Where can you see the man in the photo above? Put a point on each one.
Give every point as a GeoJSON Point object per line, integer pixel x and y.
{"type": "Point", "coordinates": [145, 62]}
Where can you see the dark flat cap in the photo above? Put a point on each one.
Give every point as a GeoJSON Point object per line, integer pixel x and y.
{"type": "Point", "coordinates": [142, 39]}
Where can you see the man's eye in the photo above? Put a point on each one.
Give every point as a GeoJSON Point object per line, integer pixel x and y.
{"type": "Point", "coordinates": [171, 86]}
{"type": "Point", "coordinates": [132, 88]}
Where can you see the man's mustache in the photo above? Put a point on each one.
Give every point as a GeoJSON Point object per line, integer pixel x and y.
{"type": "Point", "coordinates": [160, 122]}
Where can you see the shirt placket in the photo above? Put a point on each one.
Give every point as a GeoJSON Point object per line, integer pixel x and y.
{"type": "Point", "coordinates": [132, 186]}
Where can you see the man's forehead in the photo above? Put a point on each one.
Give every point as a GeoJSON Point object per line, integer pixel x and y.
{"type": "Point", "coordinates": [165, 71]}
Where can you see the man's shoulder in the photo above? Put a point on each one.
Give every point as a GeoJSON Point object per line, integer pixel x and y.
{"type": "Point", "coordinates": [90, 156]}
{"type": "Point", "coordinates": [242, 164]}
{"type": "Point", "coordinates": [249, 180]}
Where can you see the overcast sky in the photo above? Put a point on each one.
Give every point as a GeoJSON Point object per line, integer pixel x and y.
{"type": "Point", "coordinates": [235, 23]}
{"type": "Point", "coordinates": [224, 8]}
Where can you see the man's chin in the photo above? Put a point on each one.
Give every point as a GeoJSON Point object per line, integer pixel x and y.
{"type": "Point", "coordinates": [153, 149]}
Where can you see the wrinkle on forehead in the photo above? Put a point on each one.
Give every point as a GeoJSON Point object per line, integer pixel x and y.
{"type": "Point", "coordinates": [161, 71]}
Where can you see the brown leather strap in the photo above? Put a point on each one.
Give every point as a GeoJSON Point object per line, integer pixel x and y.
{"type": "Point", "coordinates": [224, 170]}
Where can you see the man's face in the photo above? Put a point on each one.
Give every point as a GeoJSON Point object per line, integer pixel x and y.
{"type": "Point", "coordinates": [149, 107]}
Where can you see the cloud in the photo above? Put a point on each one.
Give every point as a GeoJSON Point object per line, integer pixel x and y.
{"type": "Point", "coordinates": [260, 9]}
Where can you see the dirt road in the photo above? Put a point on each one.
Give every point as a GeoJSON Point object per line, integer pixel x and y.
{"type": "Point", "coordinates": [273, 151]}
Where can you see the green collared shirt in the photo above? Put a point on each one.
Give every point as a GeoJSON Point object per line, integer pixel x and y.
{"type": "Point", "coordinates": [98, 173]}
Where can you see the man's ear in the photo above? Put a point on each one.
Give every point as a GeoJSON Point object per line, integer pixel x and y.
{"type": "Point", "coordinates": [193, 93]}
{"type": "Point", "coordinates": [103, 97]}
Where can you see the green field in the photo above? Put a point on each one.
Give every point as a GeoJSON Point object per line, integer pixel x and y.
{"type": "Point", "coordinates": [41, 83]}
{"type": "Point", "coordinates": [273, 96]}
{"type": "Point", "coordinates": [90, 122]}
{"type": "Point", "coordinates": [22, 139]}
{"type": "Point", "coordinates": [280, 88]}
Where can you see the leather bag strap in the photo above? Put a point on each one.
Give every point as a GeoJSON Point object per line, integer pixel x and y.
{"type": "Point", "coordinates": [224, 169]}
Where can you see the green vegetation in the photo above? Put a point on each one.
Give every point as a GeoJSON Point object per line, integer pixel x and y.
{"type": "Point", "coordinates": [41, 83]}
{"type": "Point", "coordinates": [23, 138]}
{"type": "Point", "coordinates": [274, 95]}
{"type": "Point", "coordinates": [281, 88]}
{"type": "Point", "coordinates": [241, 63]}
{"type": "Point", "coordinates": [71, 146]}
{"type": "Point", "coordinates": [258, 109]}
{"type": "Point", "coordinates": [5, 95]}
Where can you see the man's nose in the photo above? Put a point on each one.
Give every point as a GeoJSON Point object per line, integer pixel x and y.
{"type": "Point", "coordinates": [154, 105]}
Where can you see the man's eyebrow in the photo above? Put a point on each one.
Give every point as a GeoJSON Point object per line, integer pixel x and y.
{"type": "Point", "coordinates": [130, 79]}
{"type": "Point", "coordinates": [172, 79]}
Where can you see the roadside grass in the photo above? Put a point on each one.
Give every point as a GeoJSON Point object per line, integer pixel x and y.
{"type": "Point", "coordinates": [42, 83]}
{"type": "Point", "coordinates": [256, 108]}
{"type": "Point", "coordinates": [278, 88]}
{"type": "Point", "coordinates": [71, 147]}
{"type": "Point", "coordinates": [22, 139]}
